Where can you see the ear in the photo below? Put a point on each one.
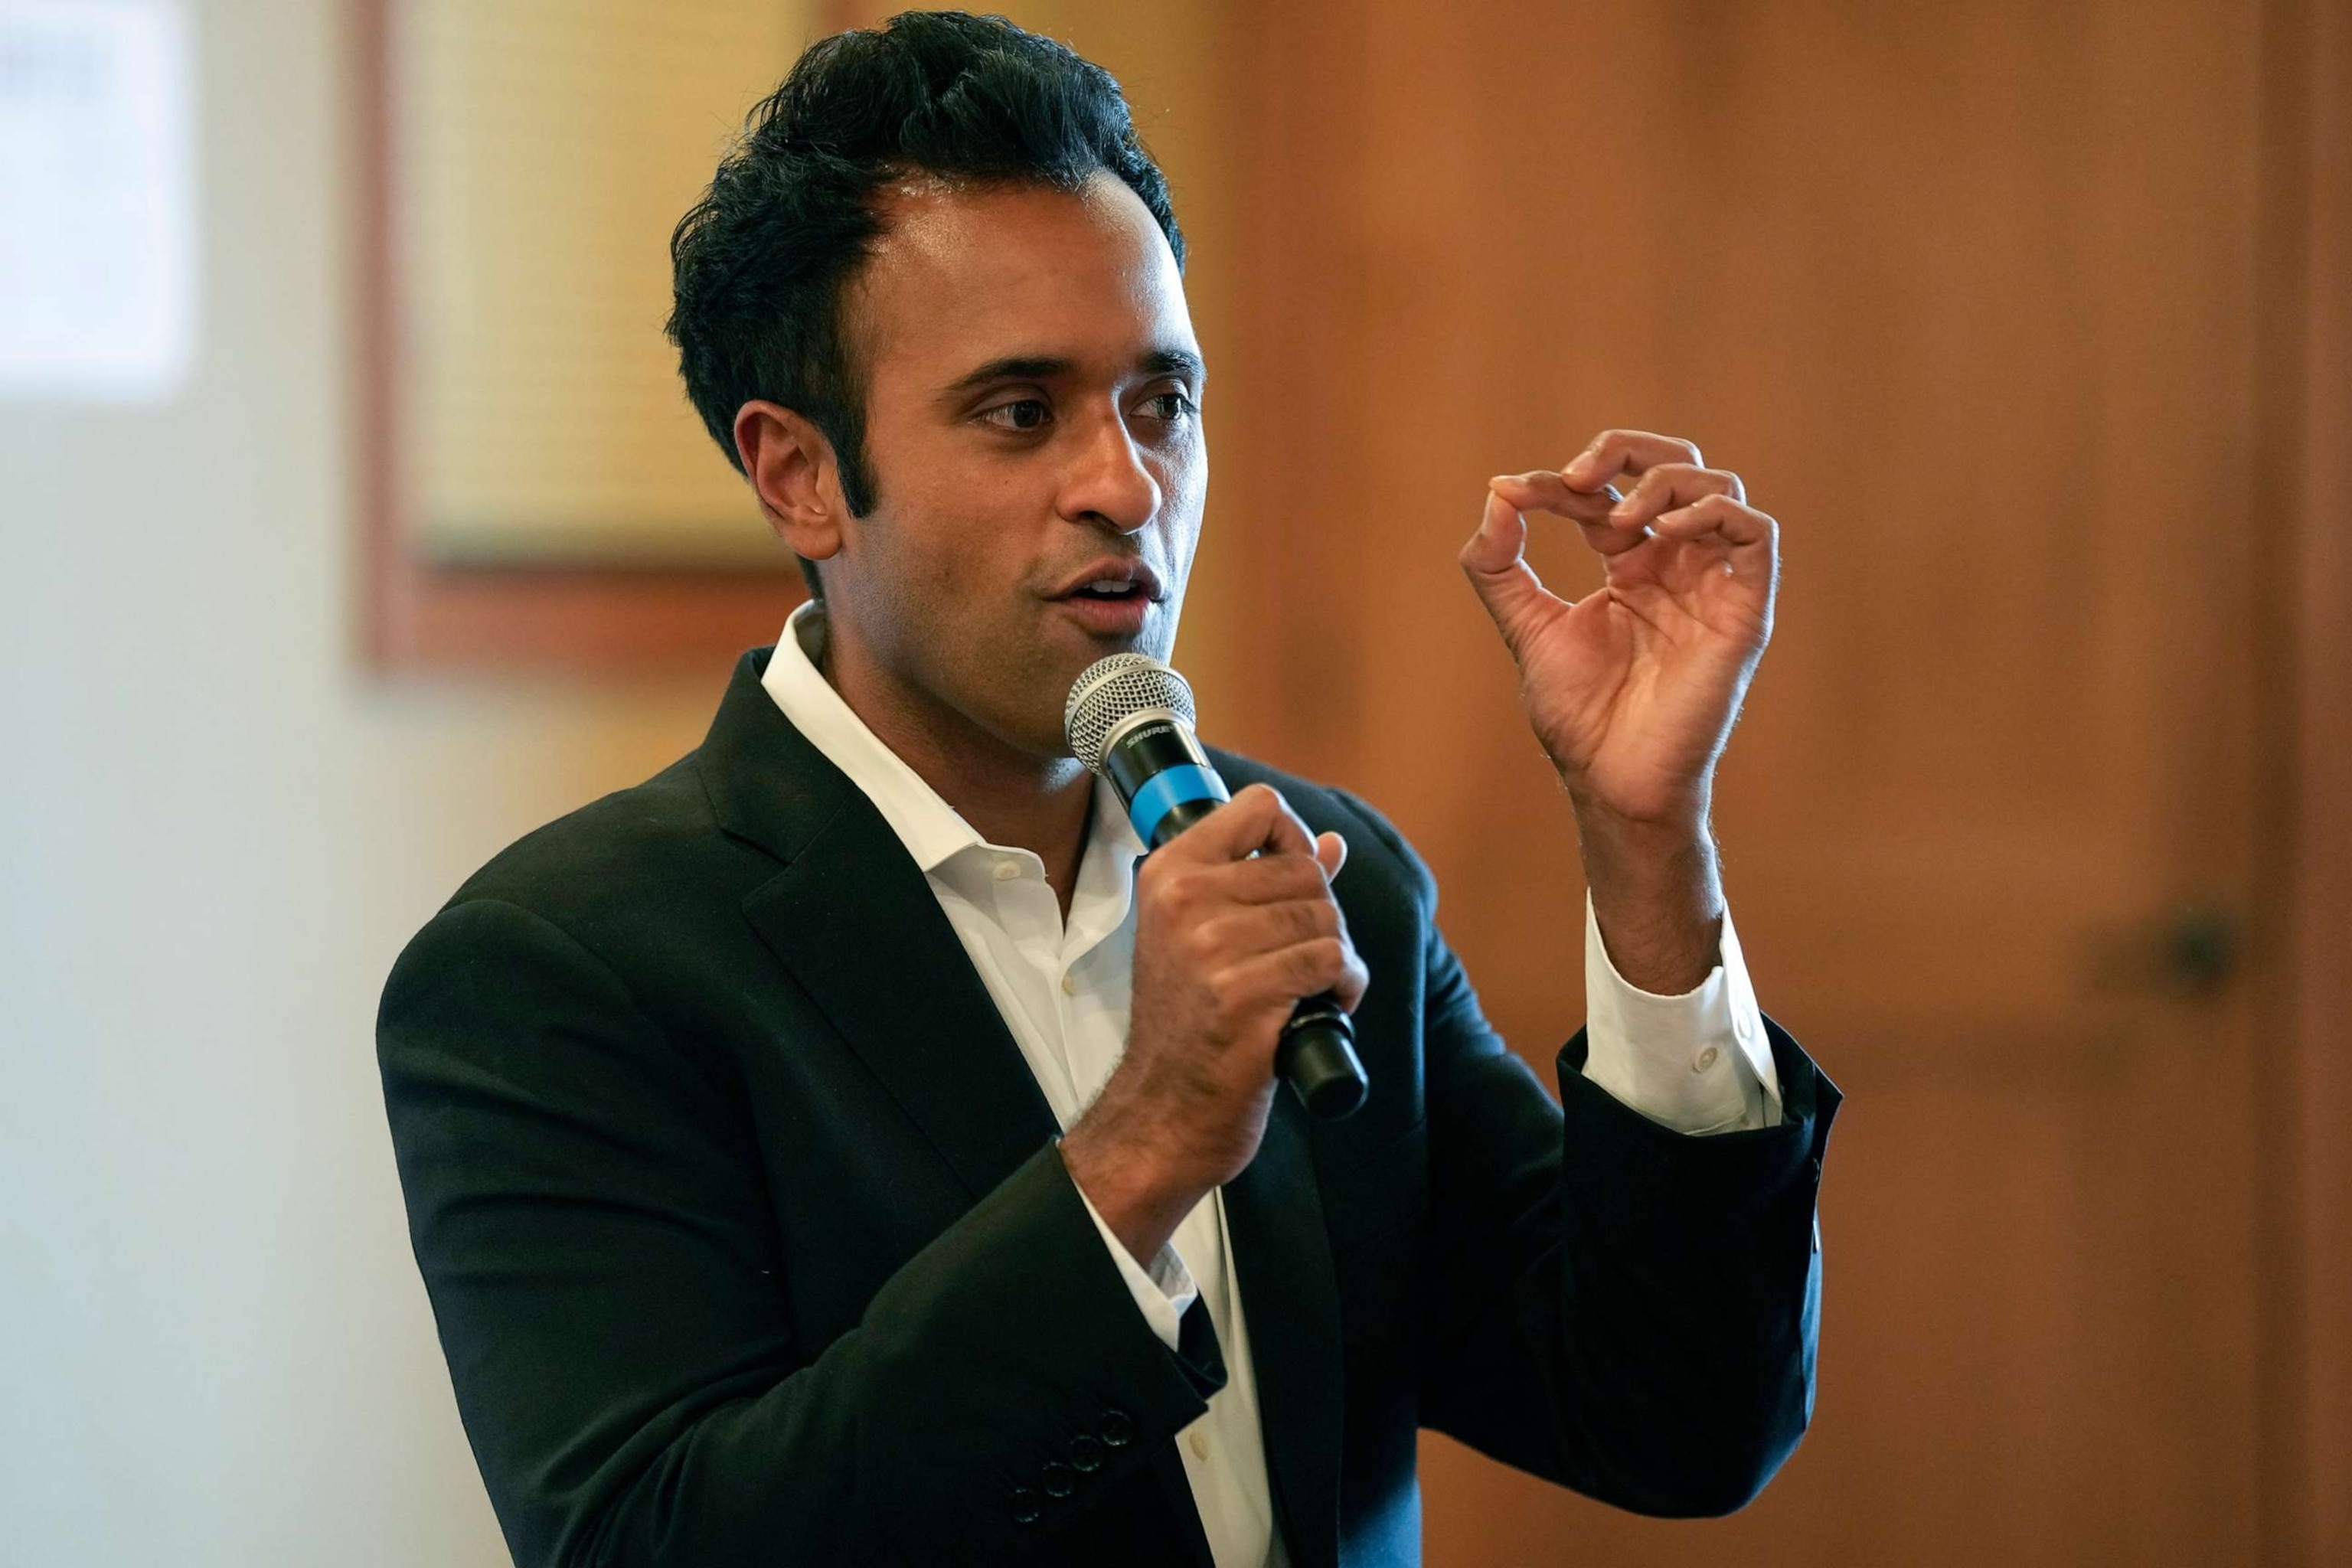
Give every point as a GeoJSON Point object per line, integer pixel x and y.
{"type": "Point", "coordinates": [792, 471]}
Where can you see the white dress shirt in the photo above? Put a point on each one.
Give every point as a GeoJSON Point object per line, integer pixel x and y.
{"type": "Point", "coordinates": [1697, 1062]}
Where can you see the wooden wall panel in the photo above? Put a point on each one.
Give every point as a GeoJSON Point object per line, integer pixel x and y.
{"type": "Point", "coordinates": [1971, 295]}
{"type": "Point", "coordinates": [2306, 476]}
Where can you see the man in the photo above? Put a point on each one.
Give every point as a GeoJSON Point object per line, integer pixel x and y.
{"type": "Point", "coordinates": [847, 1147]}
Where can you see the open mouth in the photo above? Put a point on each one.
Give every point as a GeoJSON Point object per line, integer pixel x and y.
{"type": "Point", "coordinates": [1111, 606]}
{"type": "Point", "coordinates": [1111, 579]}
{"type": "Point", "coordinates": [1111, 592]}
{"type": "Point", "coordinates": [1111, 597]}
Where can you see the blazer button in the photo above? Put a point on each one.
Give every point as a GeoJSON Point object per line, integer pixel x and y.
{"type": "Point", "coordinates": [1085, 1455]}
{"type": "Point", "coordinates": [1025, 1507]}
{"type": "Point", "coordinates": [1059, 1479]}
{"type": "Point", "coordinates": [1118, 1431]}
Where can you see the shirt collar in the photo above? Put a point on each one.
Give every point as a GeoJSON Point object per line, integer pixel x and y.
{"type": "Point", "coordinates": [931, 829]}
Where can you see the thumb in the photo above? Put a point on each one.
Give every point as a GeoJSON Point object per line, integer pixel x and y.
{"type": "Point", "coordinates": [1330, 853]}
{"type": "Point", "coordinates": [1496, 562]}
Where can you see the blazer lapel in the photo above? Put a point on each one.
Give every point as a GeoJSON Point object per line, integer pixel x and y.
{"type": "Point", "coordinates": [856, 923]}
{"type": "Point", "coordinates": [1290, 1300]}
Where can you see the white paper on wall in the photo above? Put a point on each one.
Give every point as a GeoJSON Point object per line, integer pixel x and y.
{"type": "Point", "coordinates": [98, 242]}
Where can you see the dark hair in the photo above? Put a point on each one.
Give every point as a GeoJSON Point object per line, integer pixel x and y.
{"type": "Point", "coordinates": [759, 264]}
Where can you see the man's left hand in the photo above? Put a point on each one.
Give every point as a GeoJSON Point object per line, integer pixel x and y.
{"type": "Point", "coordinates": [1633, 688]}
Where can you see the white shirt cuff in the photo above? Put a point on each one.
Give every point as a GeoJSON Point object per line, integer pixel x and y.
{"type": "Point", "coordinates": [1163, 1292]}
{"type": "Point", "coordinates": [1698, 1062]}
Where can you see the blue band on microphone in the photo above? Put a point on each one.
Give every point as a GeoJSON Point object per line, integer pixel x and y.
{"type": "Point", "coordinates": [1167, 789]}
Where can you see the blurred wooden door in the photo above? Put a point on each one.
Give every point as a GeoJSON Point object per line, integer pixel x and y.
{"type": "Point", "coordinates": [1969, 294]}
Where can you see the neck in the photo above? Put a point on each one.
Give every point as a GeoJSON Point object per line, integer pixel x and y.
{"type": "Point", "coordinates": [1012, 797]}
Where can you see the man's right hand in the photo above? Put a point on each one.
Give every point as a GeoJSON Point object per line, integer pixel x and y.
{"type": "Point", "coordinates": [1225, 946]}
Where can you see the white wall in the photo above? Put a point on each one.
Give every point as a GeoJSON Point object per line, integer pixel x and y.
{"type": "Point", "coordinates": [216, 833]}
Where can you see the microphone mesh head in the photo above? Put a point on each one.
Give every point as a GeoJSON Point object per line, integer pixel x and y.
{"type": "Point", "coordinates": [1112, 689]}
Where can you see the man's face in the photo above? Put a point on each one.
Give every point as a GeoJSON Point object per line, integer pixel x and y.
{"type": "Point", "coordinates": [1033, 424]}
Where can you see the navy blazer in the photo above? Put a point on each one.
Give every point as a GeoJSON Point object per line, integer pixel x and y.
{"type": "Point", "coordinates": [749, 1241]}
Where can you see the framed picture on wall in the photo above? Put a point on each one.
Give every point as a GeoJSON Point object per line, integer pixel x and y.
{"type": "Point", "coordinates": [536, 490]}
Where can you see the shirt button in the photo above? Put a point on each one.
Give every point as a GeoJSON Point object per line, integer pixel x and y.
{"type": "Point", "coordinates": [1707, 1059]}
{"type": "Point", "coordinates": [1199, 1443]}
{"type": "Point", "coordinates": [1085, 1455]}
{"type": "Point", "coordinates": [1025, 1507]}
{"type": "Point", "coordinates": [1007, 869]}
{"type": "Point", "coordinates": [1069, 985]}
{"type": "Point", "coordinates": [1057, 1479]}
{"type": "Point", "coordinates": [1118, 1431]}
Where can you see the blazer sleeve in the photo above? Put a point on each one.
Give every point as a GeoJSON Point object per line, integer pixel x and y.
{"type": "Point", "coordinates": [1616, 1307]}
{"type": "Point", "coordinates": [587, 1209]}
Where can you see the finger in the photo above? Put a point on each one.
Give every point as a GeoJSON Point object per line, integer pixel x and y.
{"type": "Point", "coordinates": [1255, 819]}
{"type": "Point", "coordinates": [1270, 879]}
{"type": "Point", "coordinates": [1671, 485]}
{"type": "Point", "coordinates": [1325, 963]}
{"type": "Point", "coordinates": [1615, 452]}
{"type": "Point", "coordinates": [1496, 562]}
{"type": "Point", "coordinates": [1541, 489]}
{"type": "Point", "coordinates": [1353, 982]}
{"type": "Point", "coordinates": [1348, 987]}
{"type": "Point", "coordinates": [1720, 516]}
{"type": "Point", "coordinates": [1252, 930]}
{"type": "Point", "coordinates": [1610, 537]}
{"type": "Point", "coordinates": [1290, 833]}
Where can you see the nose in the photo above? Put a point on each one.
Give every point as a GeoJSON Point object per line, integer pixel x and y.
{"type": "Point", "coordinates": [1109, 483]}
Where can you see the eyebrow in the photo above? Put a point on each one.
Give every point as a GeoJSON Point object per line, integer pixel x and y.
{"type": "Point", "coordinates": [1045, 367]}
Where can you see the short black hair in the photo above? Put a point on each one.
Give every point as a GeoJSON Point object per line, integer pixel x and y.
{"type": "Point", "coordinates": [759, 265]}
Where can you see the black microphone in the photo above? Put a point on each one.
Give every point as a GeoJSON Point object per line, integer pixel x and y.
{"type": "Point", "coordinates": [1129, 720]}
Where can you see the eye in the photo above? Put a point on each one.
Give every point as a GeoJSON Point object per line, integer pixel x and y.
{"type": "Point", "coordinates": [1025, 413]}
{"type": "Point", "coordinates": [1171, 406]}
